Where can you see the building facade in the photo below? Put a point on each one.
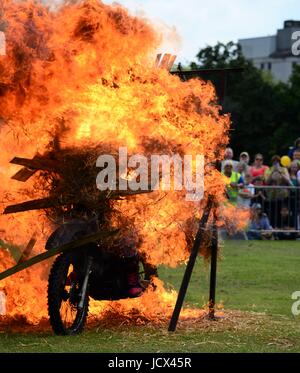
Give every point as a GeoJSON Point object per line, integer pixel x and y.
{"type": "Point", "coordinates": [274, 53]}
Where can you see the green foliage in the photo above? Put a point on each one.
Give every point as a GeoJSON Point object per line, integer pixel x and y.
{"type": "Point", "coordinates": [265, 113]}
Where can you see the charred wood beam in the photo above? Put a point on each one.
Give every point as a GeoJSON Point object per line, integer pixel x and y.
{"type": "Point", "coordinates": [45, 203]}
{"type": "Point", "coordinates": [36, 163]}
{"type": "Point", "coordinates": [57, 250]}
{"type": "Point", "coordinates": [36, 204]}
{"type": "Point", "coordinates": [24, 174]}
{"type": "Point", "coordinates": [124, 193]}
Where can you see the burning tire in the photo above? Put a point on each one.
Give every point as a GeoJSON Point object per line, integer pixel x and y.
{"type": "Point", "coordinates": [67, 311]}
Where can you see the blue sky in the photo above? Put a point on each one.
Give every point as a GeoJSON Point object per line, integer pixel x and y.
{"type": "Point", "coordinates": [204, 22]}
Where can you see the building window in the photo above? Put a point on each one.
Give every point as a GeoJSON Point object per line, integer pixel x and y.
{"type": "Point", "coordinates": [269, 66]}
{"type": "Point", "coordinates": [262, 66]}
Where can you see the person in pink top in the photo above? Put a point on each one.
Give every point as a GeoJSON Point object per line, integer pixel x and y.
{"type": "Point", "coordinates": [258, 168]}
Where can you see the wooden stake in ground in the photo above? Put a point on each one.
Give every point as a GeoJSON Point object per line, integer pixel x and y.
{"type": "Point", "coordinates": [213, 271]}
{"type": "Point", "coordinates": [190, 265]}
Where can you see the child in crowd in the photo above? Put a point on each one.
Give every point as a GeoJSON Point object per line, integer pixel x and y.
{"type": "Point", "coordinates": [247, 192]}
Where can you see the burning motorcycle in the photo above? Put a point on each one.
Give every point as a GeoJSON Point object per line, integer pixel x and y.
{"type": "Point", "coordinates": [89, 271]}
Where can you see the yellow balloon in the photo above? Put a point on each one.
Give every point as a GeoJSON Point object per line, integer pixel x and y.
{"type": "Point", "coordinates": [285, 161]}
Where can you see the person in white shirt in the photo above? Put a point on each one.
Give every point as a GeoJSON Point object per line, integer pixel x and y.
{"type": "Point", "coordinates": [228, 156]}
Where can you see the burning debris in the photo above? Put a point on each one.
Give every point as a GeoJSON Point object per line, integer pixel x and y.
{"type": "Point", "coordinates": [77, 81]}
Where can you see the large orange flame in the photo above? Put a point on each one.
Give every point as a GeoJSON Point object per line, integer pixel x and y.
{"type": "Point", "coordinates": [86, 71]}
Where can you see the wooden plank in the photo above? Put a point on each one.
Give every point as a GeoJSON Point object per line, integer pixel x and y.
{"type": "Point", "coordinates": [28, 249]}
{"type": "Point", "coordinates": [171, 62]}
{"type": "Point", "coordinates": [123, 193]}
{"type": "Point", "coordinates": [36, 204]}
{"type": "Point", "coordinates": [165, 61]}
{"type": "Point", "coordinates": [36, 163]}
{"type": "Point", "coordinates": [57, 250]}
{"type": "Point", "coordinates": [24, 174]}
{"type": "Point", "coordinates": [45, 203]}
{"type": "Point", "coordinates": [157, 60]}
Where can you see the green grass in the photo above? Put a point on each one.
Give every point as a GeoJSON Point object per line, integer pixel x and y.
{"type": "Point", "coordinates": [252, 276]}
{"type": "Point", "coordinates": [255, 283]}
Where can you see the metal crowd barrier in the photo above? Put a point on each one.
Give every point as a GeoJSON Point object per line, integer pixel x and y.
{"type": "Point", "coordinates": [281, 204]}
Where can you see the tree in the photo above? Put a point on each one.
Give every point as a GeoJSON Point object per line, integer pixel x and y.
{"type": "Point", "coordinates": [265, 114]}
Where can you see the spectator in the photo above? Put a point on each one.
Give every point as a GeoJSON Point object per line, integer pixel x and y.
{"type": "Point", "coordinates": [286, 224]}
{"type": "Point", "coordinates": [276, 176]}
{"type": "Point", "coordinates": [260, 195]}
{"type": "Point", "coordinates": [246, 193]}
{"type": "Point", "coordinates": [297, 146]}
{"type": "Point", "coordinates": [258, 168]}
{"type": "Point", "coordinates": [294, 193]}
{"type": "Point", "coordinates": [296, 156]}
{"type": "Point", "coordinates": [241, 168]}
{"type": "Point", "coordinates": [294, 171]}
{"type": "Point", "coordinates": [244, 157]}
{"type": "Point", "coordinates": [234, 181]}
{"type": "Point", "coordinates": [228, 156]}
{"type": "Point", "coordinates": [258, 180]}
{"type": "Point", "coordinates": [259, 222]}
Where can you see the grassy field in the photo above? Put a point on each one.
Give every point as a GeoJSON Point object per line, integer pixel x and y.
{"type": "Point", "coordinates": [255, 283]}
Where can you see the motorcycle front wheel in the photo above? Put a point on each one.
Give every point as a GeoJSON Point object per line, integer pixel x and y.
{"type": "Point", "coordinates": [67, 312]}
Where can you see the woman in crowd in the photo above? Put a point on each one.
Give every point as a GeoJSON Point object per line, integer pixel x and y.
{"type": "Point", "coordinates": [258, 169]}
{"type": "Point", "coordinates": [277, 173]}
